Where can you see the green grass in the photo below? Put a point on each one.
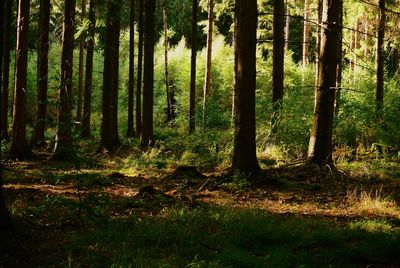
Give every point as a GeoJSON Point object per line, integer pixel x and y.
{"type": "Point", "coordinates": [223, 237]}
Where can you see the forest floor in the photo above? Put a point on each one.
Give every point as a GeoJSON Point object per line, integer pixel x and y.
{"type": "Point", "coordinates": [96, 212]}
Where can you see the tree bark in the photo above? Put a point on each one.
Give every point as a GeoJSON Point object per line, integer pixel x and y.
{"type": "Point", "coordinates": [131, 84]}
{"type": "Point", "coordinates": [139, 71]}
{"type": "Point", "coordinates": [278, 54]}
{"type": "Point", "coordinates": [19, 146]}
{"type": "Point", "coordinates": [42, 74]}
{"type": "Point", "coordinates": [193, 62]}
{"type": "Point", "coordinates": [306, 33]}
{"type": "Point", "coordinates": [5, 83]}
{"type": "Point", "coordinates": [287, 27]}
{"type": "Point", "coordinates": [87, 105]}
{"type": "Point", "coordinates": [207, 79]}
{"type": "Point", "coordinates": [320, 148]}
{"type": "Point", "coordinates": [63, 148]}
{"type": "Point", "coordinates": [148, 75]}
{"type": "Point", "coordinates": [170, 111]}
{"type": "Point", "coordinates": [380, 57]}
{"type": "Point", "coordinates": [109, 124]}
{"type": "Point", "coordinates": [81, 67]}
{"type": "Point", "coordinates": [244, 152]}
{"type": "Point", "coordinates": [318, 41]}
{"type": "Point", "coordinates": [339, 68]}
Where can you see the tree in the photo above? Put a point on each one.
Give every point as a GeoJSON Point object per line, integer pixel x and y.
{"type": "Point", "coordinates": [19, 145]}
{"type": "Point", "coordinates": [287, 27]}
{"type": "Point", "coordinates": [81, 67]}
{"type": "Point", "coordinates": [87, 105]}
{"type": "Point", "coordinates": [193, 61]}
{"type": "Point", "coordinates": [131, 83]}
{"type": "Point", "coordinates": [207, 79]}
{"type": "Point", "coordinates": [148, 74]}
{"type": "Point", "coordinates": [320, 148]}
{"type": "Point", "coordinates": [380, 57]}
{"type": "Point", "coordinates": [306, 33]}
{"type": "Point", "coordinates": [5, 83]}
{"type": "Point", "coordinates": [168, 87]}
{"type": "Point", "coordinates": [339, 69]}
{"type": "Point", "coordinates": [42, 74]}
{"type": "Point", "coordinates": [139, 71]}
{"type": "Point", "coordinates": [279, 53]}
{"type": "Point", "coordinates": [244, 152]}
{"type": "Point", "coordinates": [63, 149]}
{"type": "Point", "coordinates": [109, 124]}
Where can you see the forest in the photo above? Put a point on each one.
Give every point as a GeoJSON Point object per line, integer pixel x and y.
{"type": "Point", "coordinates": [200, 133]}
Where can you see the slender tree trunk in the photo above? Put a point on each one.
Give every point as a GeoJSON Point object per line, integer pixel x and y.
{"type": "Point", "coordinates": [148, 75]}
{"type": "Point", "coordinates": [320, 149]}
{"type": "Point", "coordinates": [356, 47]}
{"type": "Point", "coordinates": [244, 152]}
{"type": "Point", "coordinates": [109, 124]}
{"type": "Point", "coordinates": [287, 27]}
{"type": "Point", "coordinates": [318, 41]}
{"type": "Point", "coordinates": [87, 105]}
{"type": "Point", "coordinates": [81, 68]}
{"type": "Point", "coordinates": [207, 79]}
{"type": "Point", "coordinates": [139, 72]}
{"type": "Point", "coordinates": [170, 113]}
{"type": "Point", "coordinates": [339, 69]}
{"type": "Point", "coordinates": [380, 57]}
{"type": "Point", "coordinates": [279, 54]}
{"type": "Point", "coordinates": [131, 86]}
{"type": "Point", "coordinates": [19, 146]}
{"type": "Point", "coordinates": [366, 41]}
{"type": "Point", "coordinates": [42, 74]}
{"type": "Point", "coordinates": [63, 149]}
{"type": "Point", "coordinates": [193, 62]}
{"type": "Point", "coordinates": [5, 83]}
{"type": "Point", "coordinates": [306, 35]}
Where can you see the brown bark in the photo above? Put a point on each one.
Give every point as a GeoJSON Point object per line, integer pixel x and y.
{"type": "Point", "coordinates": [244, 152]}
{"type": "Point", "coordinates": [139, 71]}
{"type": "Point", "coordinates": [5, 83]}
{"type": "Point", "coordinates": [148, 74]}
{"type": "Point", "coordinates": [318, 41]}
{"type": "Point", "coordinates": [42, 74]}
{"type": "Point", "coordinates": [63, 149]}
{"type": "Point", "coordinates": [193, 62]}
{"type": "Point", "coordinates": [109, 124]}
{"type": "Point", "coordinates": [81, 67]}
{"type": "Point", "coordinates": [19, 146]}
{"type": "Point", "coordinates": [380, 57]}
{"type": "Point", "coordinates": [279, 54]}
{"type": "Point", "coordinates": [339, 68]}
{"type": "Point", "coordinates": [168, 89]}
{"type": "Point", "coordinates": [306, 33]}
{"type": "Point", "coordinates": [287, 27]}
{"type": "Point", "coordinates": [207, 79]}
{"type": "Point", "coordinates": [320, 148]}
{"type": "Point", "coordinates": [87, 105]}
{"type": "Point", "coordinates": [131, 83]}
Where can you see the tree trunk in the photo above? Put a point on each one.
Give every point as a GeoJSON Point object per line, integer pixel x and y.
{"type": "Point", "coordinates": [207, 79]}
{"type": "Point", "coordinates": [139, 72]}
{"type": "Point", "coordinates": [306, 33]}
{"type": "Point", "coordinates": [5, 83]}
{"type": "Point", "coordinates": [170, 111]}
{"type": "Point", "coordinates": [42, 74]}
{"type": "Point", "coordinates": [109, 124]}
{"type": "Point", "coordinates": [279, 54]}
{"type": "Point", "coordinates": [148, 74]}
{"type": "Point", "coordinates": [192, 112]}
{"type": "Point", "coordinates": [131, 87]}
{"type": "Point", "coordinates": [287, 27]}
{"type": "Point", "coordinates": [339, 69]}
{"type": "Point", "coordinates": [63, 149]}
{"type": "Point", "coordinates": [318, 41]}
{"type": "Point", "coordinates": [320, 148]}
{"type": "Point", "coordinates": [87, 105]}
{"type": "Point", "coordinates": [244, 152]}
{"type": "Point", "coordinates": [19, 146]}
{"type": "Point", "coordinates": [380, 57]}
{"type": "Point", "coordinates": [81, 67]}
